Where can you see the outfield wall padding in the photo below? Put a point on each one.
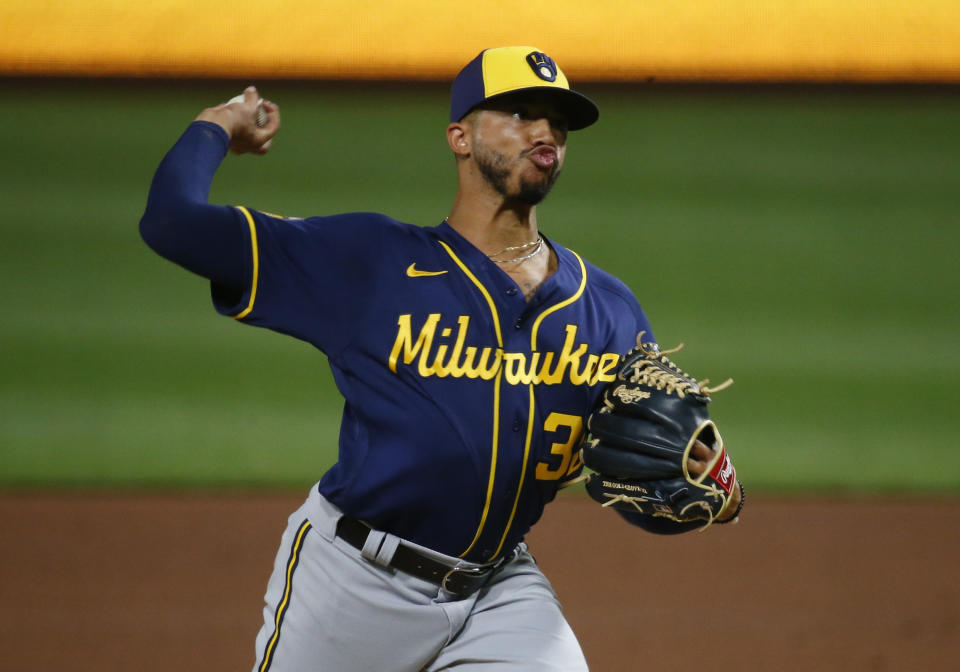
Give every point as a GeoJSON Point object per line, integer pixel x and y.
{"type": "Point", "coordinates": [669, 40]}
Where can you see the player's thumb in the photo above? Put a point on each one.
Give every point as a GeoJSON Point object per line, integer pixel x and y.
{"type": "Point", "coordinates": [250, 95]}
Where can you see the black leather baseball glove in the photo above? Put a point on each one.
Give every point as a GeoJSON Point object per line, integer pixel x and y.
{"type": "Point", "coordinates": [642, 437]}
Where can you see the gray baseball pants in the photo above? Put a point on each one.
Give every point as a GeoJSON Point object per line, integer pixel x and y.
{"type": "Point", "coordinates": [330, 607]}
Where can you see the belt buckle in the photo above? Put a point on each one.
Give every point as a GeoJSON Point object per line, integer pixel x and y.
{"type": "Point", "coordinates": [475, 572]}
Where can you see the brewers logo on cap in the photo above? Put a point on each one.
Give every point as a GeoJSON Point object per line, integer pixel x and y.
{"type": "Point", "coordinates": [503, 71]}
{"type": "Point", "coordinates": [543, 65]}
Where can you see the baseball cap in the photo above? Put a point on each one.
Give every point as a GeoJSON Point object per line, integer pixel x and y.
{"type": "Point", "coordinates": [499, 72]}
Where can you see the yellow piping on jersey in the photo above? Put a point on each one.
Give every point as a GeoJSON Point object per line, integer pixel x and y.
{"type": "Point", "coordinates": [496, 397]}
{"type": "Point", "coordinates": [256, 264]}
{"type": "Point", "coordinates": [562, 304]}
{"type": "Point", "coordinates": [532, 417]}
{"type": "Point", "coordinates": [483, 290]}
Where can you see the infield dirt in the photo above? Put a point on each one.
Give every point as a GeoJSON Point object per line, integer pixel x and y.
{"type": "Point", "coordinates": [160, 582]}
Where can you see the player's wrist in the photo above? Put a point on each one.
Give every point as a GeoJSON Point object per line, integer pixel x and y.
{"type": "Point", "coordinates": [733, 516]}
{"type": "Point", "coordinates": [220, 116]}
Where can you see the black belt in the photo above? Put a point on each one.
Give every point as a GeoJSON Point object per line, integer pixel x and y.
{"type": "Point", "coordinates": [458, 581]}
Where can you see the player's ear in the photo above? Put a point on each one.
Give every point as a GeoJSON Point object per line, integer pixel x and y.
{"type": "Point", "coordinates": [458, 139]}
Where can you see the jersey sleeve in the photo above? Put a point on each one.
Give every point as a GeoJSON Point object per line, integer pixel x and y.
{"type": "Point", "coordinates": [306, 277]}
{"type": "Point", "coordinates": [178, 222]}
{"type": "Point", "coordinates": [630, 319]}
{"type": "Point", "coordinates": [635, 323]}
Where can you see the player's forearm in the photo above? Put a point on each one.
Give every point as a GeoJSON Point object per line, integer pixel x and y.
{"type": "Point", "coordinates": [180, 225]}
{"type": "Point", "coordinates": [187, 171]}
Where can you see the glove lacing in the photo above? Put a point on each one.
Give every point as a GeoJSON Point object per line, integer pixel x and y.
{"type": "Point", "coordinates": [655, 370]}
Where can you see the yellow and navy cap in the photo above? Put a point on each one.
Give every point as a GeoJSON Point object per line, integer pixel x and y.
{"type": "Point", "coordinates": [508, 70]}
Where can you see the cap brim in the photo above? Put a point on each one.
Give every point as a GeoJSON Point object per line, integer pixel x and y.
{"type": "Point", "coordinates": [579, 110]}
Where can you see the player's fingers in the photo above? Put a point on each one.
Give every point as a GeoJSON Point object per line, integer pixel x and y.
{"type": "Point", "coordinates": [250, 95]}
{"type": "Point", "coordinates": [263, 135]}
{"type": "Point", "coordinates": [699, 459]}
{"type": "Point", "coordinates": [701, 451]}
{"type": "Point", "coordinates": [273, 115]}
{"type": "Point", "coordinates": [696, 467]}
{"type": "Point", "coordinates": [267, 121]}
{"type": "Point", "coordinates": [264, 148]}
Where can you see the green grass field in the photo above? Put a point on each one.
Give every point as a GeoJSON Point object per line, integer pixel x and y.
{"type": "Point", "coordinates": [803, 242]}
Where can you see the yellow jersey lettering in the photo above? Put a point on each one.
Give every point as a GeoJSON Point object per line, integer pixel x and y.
{"type": "Point", "coordinates": [438, 366]}
{"type": "Point", "coordinates": [607, 371]}
{"type": "Point", "coordinates": [542, 374]}
{"type": "Point", "coordinates": [568, 358]}
{"type": "Point", "coordinates": [468, 369]}
{"type": "Point", "coordinates": [532, 375]}
{"type": "Point", "coordinates": [453, 367]}
{"type": "Point", "coordinates": [489, 371]}
{"type": "Point", "coordinates": [588, 368]}
{"type": "Point", "coordinates": [435, 355]}
{"type": "Point", "coordinates": [517, 371]}
{"type": "Point", "coordinates": [513, 367]}
{"type": "Point", "coordinates": [404, 342]}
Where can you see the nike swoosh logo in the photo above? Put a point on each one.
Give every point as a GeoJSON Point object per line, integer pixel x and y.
{"type": "Point", "coordinates": [414, 273]}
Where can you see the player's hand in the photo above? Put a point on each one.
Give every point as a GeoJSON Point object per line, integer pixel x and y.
{"type": "Point", "coordinates": [239, 120]}
{"type": "Point", "coordinates": [700, 457]}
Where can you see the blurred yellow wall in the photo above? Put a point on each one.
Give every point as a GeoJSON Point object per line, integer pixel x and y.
{"type": "Point", "coordinates": [872, 40]}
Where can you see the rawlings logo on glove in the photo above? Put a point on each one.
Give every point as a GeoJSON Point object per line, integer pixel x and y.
{"type": "Point", "coordinates": [652, 427]}
{"type": "Point", "coordinates": [724, 473]}
{"type": "Point", "coordinates": [628, 395]}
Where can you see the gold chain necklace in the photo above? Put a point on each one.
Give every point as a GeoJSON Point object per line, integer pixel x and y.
{"type": "Point", "coordinates": [513, 248]}
{"type": "Point", "coordinates": [539, 246]}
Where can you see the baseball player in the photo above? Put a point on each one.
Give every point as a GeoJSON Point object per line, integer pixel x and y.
{"type": "Point", "coordinates": [469, 355]}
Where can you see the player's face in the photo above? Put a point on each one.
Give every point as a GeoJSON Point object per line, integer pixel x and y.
{"type": "Point", "coordinates": [519, 147]}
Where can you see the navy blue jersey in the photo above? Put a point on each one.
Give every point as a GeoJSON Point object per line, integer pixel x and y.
{"type": "Point", "coordinates": [464, 403]}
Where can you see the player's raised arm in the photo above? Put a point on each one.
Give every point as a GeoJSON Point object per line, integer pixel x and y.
{"type": "Point", "coordinates": [178, 223]}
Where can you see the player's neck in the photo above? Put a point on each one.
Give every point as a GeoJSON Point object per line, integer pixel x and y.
{"type": "Point", "coordinates": [492, 226]}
